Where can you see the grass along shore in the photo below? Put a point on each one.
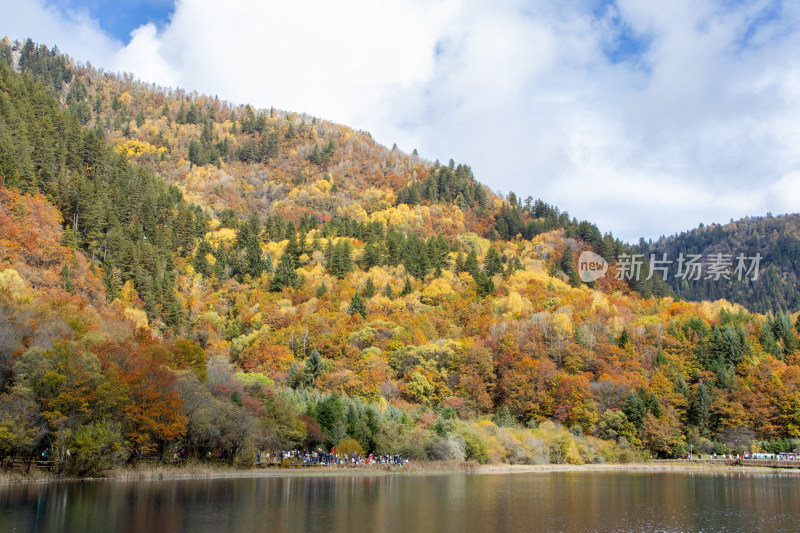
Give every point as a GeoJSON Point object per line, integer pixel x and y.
{"type": "Point", "coordinates": [205, 471]}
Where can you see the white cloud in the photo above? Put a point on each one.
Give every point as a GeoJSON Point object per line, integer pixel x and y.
{"type": "Point", "coordinates": [75, 33]}
{"type": "Point", "coordinates": [332, 59]}
{"type": "Point", "coordinates": [702, 125]}
{"type": "Point", "coordinates": [143, 56]}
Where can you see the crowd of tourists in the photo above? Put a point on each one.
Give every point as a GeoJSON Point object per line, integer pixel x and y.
{"type": "Point", "coordinates": [744, 456]}
{"type": "Point", "coordinates": [321, 458]}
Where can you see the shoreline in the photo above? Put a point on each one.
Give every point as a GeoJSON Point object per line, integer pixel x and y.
{"type": "Point", "coordinates": [189, 472]}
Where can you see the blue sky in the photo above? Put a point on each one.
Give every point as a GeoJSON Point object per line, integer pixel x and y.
{"type": "Point", "coordinates": [645, 117]}
{"type": "Point", "coordinates": [119, 18]}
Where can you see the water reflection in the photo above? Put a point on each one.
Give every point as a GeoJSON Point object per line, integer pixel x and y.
{"type": "Point", "coordinates": [560, 501]}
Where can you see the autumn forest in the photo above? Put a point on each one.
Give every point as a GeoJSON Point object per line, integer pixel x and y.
{"type": "Point", "coordinates": [176, 270]}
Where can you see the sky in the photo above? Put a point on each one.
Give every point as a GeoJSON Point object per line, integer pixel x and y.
{"type": "Point", "coordinates": [646, 118]}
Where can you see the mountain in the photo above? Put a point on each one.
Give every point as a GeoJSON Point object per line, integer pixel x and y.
{"type": "Point", "coordinates": [772, 287]}
{"type": "Point", "coordinates": [178, 270]}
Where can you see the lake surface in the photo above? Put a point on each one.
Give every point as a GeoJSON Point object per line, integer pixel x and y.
{"type": "Point", "coordinates": [556, 501]}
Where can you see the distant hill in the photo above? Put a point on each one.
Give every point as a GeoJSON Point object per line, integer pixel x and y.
{"type": "Point", "coordinates": [775, 238]}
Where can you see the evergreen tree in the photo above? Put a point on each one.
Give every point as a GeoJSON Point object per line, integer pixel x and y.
{"type": "Point", "coordinates": [503, 418]}
{"type": "Point", "coordinates": [285, 274]}
{"type": "Point", "coordinates": [624, 339]}
{"type": "Point", "coordinates": [357, 306]}
{"type": "Point", "coordinates": [415, 257]}
{"type": "Point", "coordinates": [459, 264]}
{"type": "Point", "coordinates": [680, 386]}
{"type": "Point", "coordinates": [66, 279]}
{"type": "Point", "coordinates": [491, 263]}
{"type": "Point", "coordinates": [255, 263]}
{"type": "Point", "coordinates": [438, 250]}
{"type": "Point", "coordinates": [322, 289]}
{"type": "Point", "coordinates": [196, 155]}
{"type": "Point", "coordinates": [369, 289]}
{"type": "Point", "coordinates": [200, 261]}
{"type": "Point", "coordinates": [484, 285]}
{"type": "Point", "coordinates": [327, 153]}
{"type": "Point", "coordinates": [372, 255]}
{"type": "Point", "coordinates": [313, 367]}
{"type": "Point", "coordinates": [471, 264]}
{"type": "Point", "coordinates": [315, 157]}
{"type": "Point", "coordinates": [291, 134]}
{"type": "Point", "coordinates": [634, 409]}
{"type": "Point", "coordinates": [68, 238]}
{"type": "Point", "coordinates": [387, 291]}
{"type": "Point", "coordinates": [341, 261]}
{"type": "Point", "coordinates": [293, 247]}
{"type": "Point", "coordinates": [568, 267]}
{"type": "Point", "coordinates": [407, 288]}
{"type": "Point", "coordinates": [329, 411]}
{"type": "Point", "coordinates": [700, 407]}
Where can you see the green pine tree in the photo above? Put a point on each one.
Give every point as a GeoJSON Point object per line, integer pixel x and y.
{"type": "Point", "coordinates": [568, 267]}
{"type": "Point", "coordinates": [285, 275]}
{"type": "Point", "coordinates": [471, 263]}
{"type": "Point", "coordinates": [357, 306]}
{"type": "Point", "coordinates": [387, 291]}
{"type": "Point", "coordinates": [68, 238]}
{"type": "Point", "coordinates": [369, 289]}
{"type": "Point", "coordinates": [459, 264]}
{"type": "Point", "coordinates": [491, 263]}
{"type": "Point", "coordinates": [66, 279]}
{"type": "Point", "coordinates": [484, 284]}
{"type": "Point", "coordinates": [407, 288]}
{"type": "Point", "coordinates": [322, 289]}
{"type": "Point", "coordinates": [313, 367]}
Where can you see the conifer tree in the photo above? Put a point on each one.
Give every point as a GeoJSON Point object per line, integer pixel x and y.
{"type": "Point", "coordinates": [313, 367]}
{"type": "Point", "coordinates": [369, 289]}
{"type": "Point", "coordinates": [315, 157]}
{"type": "Point", "coordinates": [568, 266]}
{"type": "Point", "coordinates": [341, 261]}
{"type": "Point", "coordinates": [66, 279]}
{"type": "Point", "coordinates": [200, 262]}
{"type": "Point", "coordinates": [293, 247]}
{"type": "Point", "coordinates": [68, 238]}
{"type": "Point", "coordinates": [387, 291]}
{"type": "Point", "coordinates": [407, 288]}
{"type": "Point", "coordinates": [327, 153]}
{"type": "Point", "coordinates": [415, 257]}
{"type": "Point", "coordinates": [322, 289]}
{"type": "Point", "coordinates": [372, 255]}
{"type": "Point", "coordinates": [471, 263]}
{"type": "Point", "coordinates": [291, 134]}
{"type": "Point", "coordinates": [357, 306]}
{"type": "Point", "coordinates": [459, 264]}
{"type": "Point", "coordinates": [491, 263]}
{"type": "Point", "coordinates": [484, 284]}
{"type": "Point", "coordinates": [624, 339]}
{"type": "Point", "coordinates": [285, 274]}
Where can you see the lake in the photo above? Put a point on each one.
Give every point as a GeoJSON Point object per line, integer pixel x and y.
{"type": "Point", "coordinates": [554, 501]}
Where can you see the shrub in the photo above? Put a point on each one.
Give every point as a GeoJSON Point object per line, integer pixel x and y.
{"type": "Point", "coordinates": [349, 446]}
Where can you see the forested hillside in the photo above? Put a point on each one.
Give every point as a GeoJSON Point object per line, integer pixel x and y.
{"type": "Point", "coordinates": [178, 270]}
{"type": "Point", "coordinates": [776, 239]}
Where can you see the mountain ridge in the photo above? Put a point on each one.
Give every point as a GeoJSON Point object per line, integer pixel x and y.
{"type": "Point", "coordinates": [288, 283]}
